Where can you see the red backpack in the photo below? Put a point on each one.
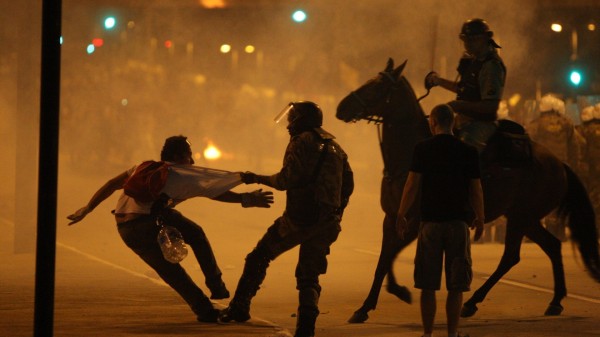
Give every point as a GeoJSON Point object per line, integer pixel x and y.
{"type": "Point", "coordinates": [147, 181]}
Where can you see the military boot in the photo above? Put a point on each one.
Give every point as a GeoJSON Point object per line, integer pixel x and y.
{"type": "Point", "coordinates": [305, 324]}
{"type": "Point", "coordinates": [255, 270]}
{"type": "Point", "coordinates": [308, 309]}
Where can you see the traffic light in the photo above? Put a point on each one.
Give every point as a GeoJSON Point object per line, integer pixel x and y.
{"type": "Point", "coordinates": [579, 77]}
{"type": "Point", "coordinates": [110, 22]}
{"type": "Point", "coordinates": [575, 77]}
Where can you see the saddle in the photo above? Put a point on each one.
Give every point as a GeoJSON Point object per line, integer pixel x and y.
{"type": "Point", "coordinates": [508, 147]}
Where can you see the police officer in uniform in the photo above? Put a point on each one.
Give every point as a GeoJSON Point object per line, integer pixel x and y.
{"type": "Point", "coordinates": [478, 86]}
{"type": "Point", "coordinates": [590, 130]}
{"type": "Point", "coordinates": [553, 129]}
{"type": "Point", "coordinates": [556, 131]}
{"type": "Point", "coordinates": [319, 182]}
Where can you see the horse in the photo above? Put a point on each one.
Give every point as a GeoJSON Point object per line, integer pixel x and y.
{"type": "Point", "coordinates": [523, 194]}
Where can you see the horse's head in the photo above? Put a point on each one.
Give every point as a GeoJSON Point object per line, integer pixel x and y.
{"type": "Point", "coordinates": [369, 101]}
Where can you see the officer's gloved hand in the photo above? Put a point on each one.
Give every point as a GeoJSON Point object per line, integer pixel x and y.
{"type": "Point", "coordinates": [257, 198]}
{"type": "Point", "coordinates": [431, 80]}
{"type": "Point", "coordinates": [249, 177]}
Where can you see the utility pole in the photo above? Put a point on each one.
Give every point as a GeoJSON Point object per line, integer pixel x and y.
{"type": "Point", "coordinates": [45, 266]}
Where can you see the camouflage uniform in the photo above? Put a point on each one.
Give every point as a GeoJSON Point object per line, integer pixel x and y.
{"type": "Point", "coordinates": [319, 182]}
{"type": "Point", "coordinates": [557, 133]}
{"type": "Point", "coordinates": [591, 156]}
{"type": "Point", "coordinates": [480, 79]}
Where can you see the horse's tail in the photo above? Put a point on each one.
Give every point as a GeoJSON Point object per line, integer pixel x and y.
{"type": "Point", "coordinates": [577, 208]}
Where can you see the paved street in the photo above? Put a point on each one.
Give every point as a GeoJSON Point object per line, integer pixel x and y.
{"type": "Point", "coordinates": [103, 289]}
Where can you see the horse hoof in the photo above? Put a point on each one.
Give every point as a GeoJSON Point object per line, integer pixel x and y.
{"type": "Point", "coordinates": [401, 292]}
{"type": "Point", "coordinates": [359, 316]}
{"type": "Point", "coordinates": [468, 310]}
{"type": "Point", "coordinates": [554, 310]}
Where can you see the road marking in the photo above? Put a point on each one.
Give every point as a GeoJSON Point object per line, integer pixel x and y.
{"type": "Point", "coordinates": [509, 282]}
{"type": "Point", "coordinates": [281, 331]}
{"type": "Point", "coordinates": [545, 290]}
{"type": "Point", "coordinates": [368, 252]}
{"type": "Point", "coordinates": [94, 258]}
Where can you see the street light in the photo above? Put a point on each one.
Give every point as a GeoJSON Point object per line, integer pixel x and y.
{"type": "Point", "coordinates": [299, 16]}
{"type": "Point", "coordinates": [556, 27]}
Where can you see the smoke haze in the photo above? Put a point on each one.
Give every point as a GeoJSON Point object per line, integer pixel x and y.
{"type": "Point", "coordinates": [119, 103]}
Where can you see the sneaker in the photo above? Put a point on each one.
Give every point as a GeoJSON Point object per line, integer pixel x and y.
{"type": "Point", "coordinates": [210, 316]}
{"type": "Point", "coordinates": [233, 314]}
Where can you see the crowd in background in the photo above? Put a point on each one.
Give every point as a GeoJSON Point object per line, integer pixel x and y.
{"type": "Point", "coordinates": [571, 131]}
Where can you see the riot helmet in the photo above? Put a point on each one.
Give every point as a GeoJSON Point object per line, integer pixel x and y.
{"type": "Point", "coordinates": [476, 27]}
{"type": "Point", "coordinates": [597, 112]}
{"type": "Point", "coordinates": [549, 102]}
{"type": "Point", "coordinates": [587, 114]}
{"type": "Point", "coordinates": [301, 116]}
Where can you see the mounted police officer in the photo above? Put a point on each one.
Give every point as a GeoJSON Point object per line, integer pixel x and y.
{"type": "Point", "coordinates": [478, 86]}
{"type": "Point", "coordinates": [319, 182]}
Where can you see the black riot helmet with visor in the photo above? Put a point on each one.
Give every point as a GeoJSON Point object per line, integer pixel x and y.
{"type": "Point", "coordinates": [475, 28]}
{"type": "Point", "coordinates": [301, 116]}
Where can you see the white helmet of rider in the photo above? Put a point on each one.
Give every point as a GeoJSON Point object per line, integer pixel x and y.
{"type": "Point", "coordinates": [597, 112]}
{"type": "Point", "coordinates": [550, 102]}
{"type": "Point", "coordinates": [502, 110]}
{"type": "Point", "coordinates": [587, 114]}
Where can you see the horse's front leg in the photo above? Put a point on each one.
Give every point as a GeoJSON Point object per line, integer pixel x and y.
{"type": "Point", "coordinates": [402, 292]}
{"type": "Point", "coordinates": [510, 258]}
{"type": "Point", "coordinates": [390, 247]}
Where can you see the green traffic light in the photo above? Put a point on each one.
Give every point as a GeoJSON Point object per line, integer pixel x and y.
{"type": "Point", "coordinates": [575, 77]}
{"type": "Point", "coordinates": [110, 22]}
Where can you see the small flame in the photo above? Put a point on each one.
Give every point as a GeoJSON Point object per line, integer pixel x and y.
{"type": "Point", "coordinates": [212, 152]}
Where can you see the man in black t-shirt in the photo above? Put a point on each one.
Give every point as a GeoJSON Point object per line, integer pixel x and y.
{"type": "Point", "coordinates": [446, 173]}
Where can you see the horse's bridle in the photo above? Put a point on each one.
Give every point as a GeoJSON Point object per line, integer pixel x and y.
{"type": "Point", "coordinates": [366, 107]}
{"type": "Point", "coordinates": [378, 120]}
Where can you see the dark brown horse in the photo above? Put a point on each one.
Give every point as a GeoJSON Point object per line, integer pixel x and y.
{"type": "Point", "coordinates": [524, 195]}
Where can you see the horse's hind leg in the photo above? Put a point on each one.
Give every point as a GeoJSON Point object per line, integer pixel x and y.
{"type": "Point", "coordinates": [552, 247]}
{"type": "Point", "coordinates": [390, 247]}
{"type": "Point", "coordinates": [512, 249]}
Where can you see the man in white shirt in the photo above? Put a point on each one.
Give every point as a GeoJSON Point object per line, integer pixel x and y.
{"type": "Point", "coordinates": [138, 229]}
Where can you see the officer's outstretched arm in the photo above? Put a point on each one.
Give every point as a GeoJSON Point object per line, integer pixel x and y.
{"type": "Point", "coordinates": [253, 178]}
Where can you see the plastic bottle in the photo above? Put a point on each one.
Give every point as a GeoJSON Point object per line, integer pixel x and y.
{"type": "Point", "coordinates": [171, 244]}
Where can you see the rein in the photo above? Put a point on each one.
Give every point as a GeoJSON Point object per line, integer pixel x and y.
{"type": "Point", "coordinates": [365, 107]}
{"type": "Point", "coordinates": [378, 120]}
{"type": "Point", "coordinates": [426, 94]}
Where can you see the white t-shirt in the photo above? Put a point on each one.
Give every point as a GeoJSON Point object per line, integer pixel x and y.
{"type": "Point", "coordinates": [183, 182]}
